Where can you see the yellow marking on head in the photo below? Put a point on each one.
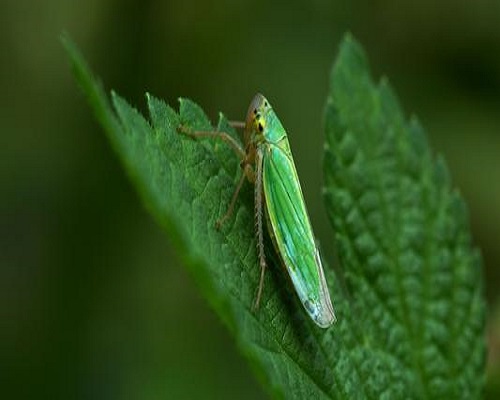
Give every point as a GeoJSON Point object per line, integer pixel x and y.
{"type": "Point", "coordinates": [260, 124]}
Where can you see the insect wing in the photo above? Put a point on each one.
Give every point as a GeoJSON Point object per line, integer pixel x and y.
{"type": "Point", "coordinates": [292, 231]}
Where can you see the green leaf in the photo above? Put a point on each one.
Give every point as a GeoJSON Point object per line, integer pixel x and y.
{"type": "Point", "coordinates": [414, 280]}
{"type": "Point", "coordinates": [411, 322]}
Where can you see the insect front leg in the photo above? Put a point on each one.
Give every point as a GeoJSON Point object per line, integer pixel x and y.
{"type": "Point", "coordinates": [240, 152]}
{"type": "Point", "coordinates": [224, 136]}
{"type": "Point", "coordinates": [259, 225]}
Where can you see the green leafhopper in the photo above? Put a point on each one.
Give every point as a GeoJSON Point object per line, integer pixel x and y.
{"type": "Point", "coordinates": [266, 161]}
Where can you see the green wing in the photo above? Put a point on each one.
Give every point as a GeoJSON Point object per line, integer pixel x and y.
{"type": "Point", "coordinates": [292, 233]}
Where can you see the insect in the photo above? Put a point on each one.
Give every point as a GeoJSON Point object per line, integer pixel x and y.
{"type": "Point", "coordinates": [266, 161]}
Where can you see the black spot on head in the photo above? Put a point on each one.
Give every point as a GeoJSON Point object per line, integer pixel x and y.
{"type": "Point", "coordinates": [261, 128]}
{"type": "Point", "coordinates": [255, 111]}
{"type": "Point", "coordinates": [266, 104]}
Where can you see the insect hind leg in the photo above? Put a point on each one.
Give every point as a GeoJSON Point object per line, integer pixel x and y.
{"type": "Point", "coordinates": [259, 228]}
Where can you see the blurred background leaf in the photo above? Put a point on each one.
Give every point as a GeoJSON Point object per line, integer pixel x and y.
{"type": "Point", "coordinates": [82, 316]}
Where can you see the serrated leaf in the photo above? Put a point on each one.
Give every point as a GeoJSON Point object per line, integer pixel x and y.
{"type": "Point", "coordinates": [370, 352]}
{"type": "Point", "coordinates": [413, 276]}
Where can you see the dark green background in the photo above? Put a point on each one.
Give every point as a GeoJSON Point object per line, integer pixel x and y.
{"type": "Point", "coordinates": [94, 302]}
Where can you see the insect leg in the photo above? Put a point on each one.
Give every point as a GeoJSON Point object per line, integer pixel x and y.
{"type": "Point", "coordinates": [215, 134]}
{"type": "Point", "coordinates": [245, 165]}
{"type": "Point", "coordinates": [230, 209]}
{"type": "Point", "coordinates": [237, 124]}
{"type": "Point", "coordinates": [258, 225]}
{"type": "Point", "coordinates": [247, 173]}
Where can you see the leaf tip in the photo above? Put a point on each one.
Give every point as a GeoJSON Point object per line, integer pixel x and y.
{"type": "Point", "coordinates": [352, 50]}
